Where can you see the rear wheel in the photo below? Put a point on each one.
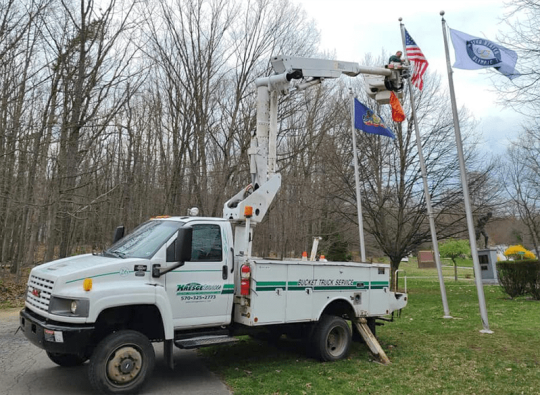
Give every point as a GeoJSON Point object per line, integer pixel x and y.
{"type": "Point", "coordinates": [121, 362]}
{"type": "Point", "coordinates": [66, 360]}
{"type": "Point", "coordinates": [332, 338]}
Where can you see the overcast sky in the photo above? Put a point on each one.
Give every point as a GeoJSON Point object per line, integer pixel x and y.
{"type": "Point", "coordinates": [353, 28]}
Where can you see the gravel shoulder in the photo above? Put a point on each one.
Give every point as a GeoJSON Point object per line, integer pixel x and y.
{"type": "Point", "coordinates": [26, 369]}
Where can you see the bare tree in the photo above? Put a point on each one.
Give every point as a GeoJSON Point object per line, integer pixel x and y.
{"type": "Point", "coordinates": [521, 176]}
{"type": "Point", "coordinates": [208, 55]}
{"type": "Point", "coordinates": [19, 42]}
{"type": "Point", "coordinates": [92, 136]}
{"type": "Point", "coordinates": [393, 200]}
{"type": "Point", "coordinates": [92, 68]}
{"type": "Point", "coordinates": [523, 20]}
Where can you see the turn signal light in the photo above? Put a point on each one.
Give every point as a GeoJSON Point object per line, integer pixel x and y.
{"type": "Point", "coordinates": [87, 284]}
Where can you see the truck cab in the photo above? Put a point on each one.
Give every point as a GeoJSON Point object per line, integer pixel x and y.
{"type": "Point", "coordinates": [138, 284]}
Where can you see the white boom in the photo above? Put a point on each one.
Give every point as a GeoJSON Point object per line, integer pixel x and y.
{"type": "Point", "coordinates": [265, 181]}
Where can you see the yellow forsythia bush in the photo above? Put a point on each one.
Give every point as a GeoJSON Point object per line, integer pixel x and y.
{"type": "Point", "coordinates": [514, 252]}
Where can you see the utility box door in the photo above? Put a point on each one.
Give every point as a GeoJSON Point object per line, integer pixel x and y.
{"type": "Point", "coordinates": [269, 287]}
{"type": "Point", "coordinates": [300, 286]}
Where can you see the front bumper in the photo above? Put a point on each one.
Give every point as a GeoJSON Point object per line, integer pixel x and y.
{"type": "Point", "coordinates": [55, 337]}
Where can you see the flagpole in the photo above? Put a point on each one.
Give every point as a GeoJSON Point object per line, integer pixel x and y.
{"type": "Point", "coordinates": [357, 183]}
{"type": "Point", "coordinates": [426, 188]}
{"type": "Point", "coordinates": [466, 200]}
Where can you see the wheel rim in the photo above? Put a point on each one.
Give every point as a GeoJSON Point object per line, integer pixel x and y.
{"type": "Point", "coordinates": [336, 341]}
{"type": "Point", "coordinates": [124, 365]}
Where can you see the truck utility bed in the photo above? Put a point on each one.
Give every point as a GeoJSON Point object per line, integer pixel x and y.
{"type": "Point", "coordinates": [298, 291]}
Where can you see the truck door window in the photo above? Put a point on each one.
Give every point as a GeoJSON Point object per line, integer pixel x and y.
{"type": "Point", "coordinates": [207, 245]}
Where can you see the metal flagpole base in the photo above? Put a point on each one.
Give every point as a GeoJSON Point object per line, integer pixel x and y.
{"type": "Point", "coordinates": [489, 332]}
{"type": "Point", "coordinates": [448, 317]}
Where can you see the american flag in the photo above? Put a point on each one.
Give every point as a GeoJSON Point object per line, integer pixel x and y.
{"type": "Point", "coordinates": [417, 58]}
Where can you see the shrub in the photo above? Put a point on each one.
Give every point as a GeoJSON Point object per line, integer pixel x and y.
{"type": "Point", "coordinates": [519, 278]}
{"type": "Point", "coordinates": [519, 252]}
{"type": "Point", "coordinates": [534, 284]}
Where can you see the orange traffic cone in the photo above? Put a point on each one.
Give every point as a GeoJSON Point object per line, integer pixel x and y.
{"type": "Point", "coordinates": [304, 256]}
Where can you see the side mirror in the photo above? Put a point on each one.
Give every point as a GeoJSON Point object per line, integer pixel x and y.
{"type": "Point", "coordinates": [182, 252]}
{"type": "Point", "coordinates": [183, 245]}
{"type": "Point", "coordinates": [180, 249]}
{"type": "Point", "coordinates": [118, 233]}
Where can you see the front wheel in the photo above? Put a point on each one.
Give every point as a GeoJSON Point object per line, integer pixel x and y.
{"type": "Point", "coordinates": [66, 360]}
{"type": "Point", "coordinates": [332, 338]}
{"type": "Point", "coordinates": [121, 362]}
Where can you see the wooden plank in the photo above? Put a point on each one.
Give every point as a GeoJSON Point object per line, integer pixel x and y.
{"type": "Point", "coordinates": [371, 340]}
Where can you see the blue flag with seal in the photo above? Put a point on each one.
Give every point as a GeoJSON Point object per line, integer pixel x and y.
{"type": "Point", "coordinates": [369, 122]}
{"type": "Point", "coordinates": [474, 53]}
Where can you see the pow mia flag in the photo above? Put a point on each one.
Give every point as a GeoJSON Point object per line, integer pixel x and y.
{"type": "Point", "coordinates": [474, 53]}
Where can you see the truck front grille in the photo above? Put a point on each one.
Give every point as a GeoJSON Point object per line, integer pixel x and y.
{"type": "Point", "coordinates": [39, 292]}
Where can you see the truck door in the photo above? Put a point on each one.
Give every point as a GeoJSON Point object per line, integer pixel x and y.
{"type": "Point", "coordinates": [201, 291]}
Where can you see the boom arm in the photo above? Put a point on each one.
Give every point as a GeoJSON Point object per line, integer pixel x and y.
{"type": "Point", "coordinates": [265, 182]}
{"type": "Point", "coordinates": [323, 68]}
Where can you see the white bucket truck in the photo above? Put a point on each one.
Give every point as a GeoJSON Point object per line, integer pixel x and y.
{"type": "Point", "coordinates": [191, 281]}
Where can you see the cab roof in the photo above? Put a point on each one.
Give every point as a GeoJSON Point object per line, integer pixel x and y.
{"type": "Point", "coordinates": [188, 218]}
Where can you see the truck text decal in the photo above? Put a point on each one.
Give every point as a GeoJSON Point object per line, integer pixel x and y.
{"type": "Point", "coordinates": [325, 283]}
{"type": "Point", "coordinates": [198, 289]}
{"type": "Point", "coordinates": [321, 284]}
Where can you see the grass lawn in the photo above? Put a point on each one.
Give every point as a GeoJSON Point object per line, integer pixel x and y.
{"type": "Point", "coordinates": [429, 354]}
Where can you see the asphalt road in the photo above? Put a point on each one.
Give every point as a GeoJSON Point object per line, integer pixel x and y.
{"type": "Point", "coordinates": [26, 370]}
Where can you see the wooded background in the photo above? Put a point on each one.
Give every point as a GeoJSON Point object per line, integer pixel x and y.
{"type": "Point", "coordinates": [116, 111]}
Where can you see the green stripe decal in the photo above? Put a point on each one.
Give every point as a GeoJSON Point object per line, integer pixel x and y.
{"type": "Point", "coordinates": [335, 288]}
{"type": "Point", "coordinates": [295, 288]}
{"type": "Point", "coordinates": [227, 289]}
{"type": "Point", "coordinates": [270, 285]}
{"type": "Point", "coordinates": [97, 275]}
{"type": "Point", "coordinates": [379, 284]}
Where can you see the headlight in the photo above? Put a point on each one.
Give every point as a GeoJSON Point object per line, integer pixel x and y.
{"type": "Point", "coordinates": [69, 307]}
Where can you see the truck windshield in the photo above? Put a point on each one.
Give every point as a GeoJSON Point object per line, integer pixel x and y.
{"type": "Point", "coordinates": [145, 240]}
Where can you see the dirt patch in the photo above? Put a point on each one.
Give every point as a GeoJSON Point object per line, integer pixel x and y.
{"type": "Point", "coordinates": [11, 291]}
{"type": "Point", "coordinates": [9, 313]}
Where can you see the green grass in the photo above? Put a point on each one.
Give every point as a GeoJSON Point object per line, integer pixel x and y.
{"type": "Point", "coordinates": [429, 354]}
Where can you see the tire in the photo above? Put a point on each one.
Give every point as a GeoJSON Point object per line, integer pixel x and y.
{"type": "Point", "coordinates": [121, 363]}
{"type": "Point", "coordinates": [332, 338]}
{"type": "Point", "coordinates": [66, 360]}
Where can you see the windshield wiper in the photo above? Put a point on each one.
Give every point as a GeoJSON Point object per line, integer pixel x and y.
{"type": "Point", "coordinates": [117, 254]}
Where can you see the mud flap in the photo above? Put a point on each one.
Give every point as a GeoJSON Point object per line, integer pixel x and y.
{"type": "Point", "coordinates": [168, 353]}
